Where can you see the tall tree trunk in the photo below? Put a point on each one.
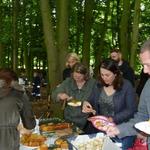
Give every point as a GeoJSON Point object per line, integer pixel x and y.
{"type": "Point", "coordinates": [25, 49]}
{"type": "Point", "coordinates": [79, 25]}
{"type": "Point", "coordinates": [88, 19]}
{"type": "Point", "coordinates": [103, 30]}
{"type": "Point", "coordinates": [50, 43]}
{"type": "Point", "coordinates": [23, 30]}
{"type": "Point", "coordinates": [26, 42]}
{"type": "Point", "coordinates": [135, 31]}
{"type": "Point", "coordinates": [124, 28]}
{"type": "Point", "coordinates": [15, 34]}
{"type": "Point", "coordinates": [118, 20]}
{"type": "Point", "coordinates": [62, 34]}
{"type": "Point", "coordinates": [2, 56]}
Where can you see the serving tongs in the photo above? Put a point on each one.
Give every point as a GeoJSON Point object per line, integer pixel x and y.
{"type": "Point", "coordinates": [42, 116]}
{"type": "Point", "coordinates": [46, 114]}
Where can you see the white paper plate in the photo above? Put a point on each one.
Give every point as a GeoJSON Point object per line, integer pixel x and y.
{"type": "Point", "coordinates": [76, 104]}
{"type": "Point", "coordinates": [143, 126]}
{"type": "Point", "coordinates": [101, 122]}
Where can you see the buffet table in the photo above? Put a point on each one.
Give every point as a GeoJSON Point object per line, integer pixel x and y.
{"type": "Point", "coordinates": [70, 136]}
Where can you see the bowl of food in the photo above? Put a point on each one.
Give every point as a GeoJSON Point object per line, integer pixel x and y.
{"type": "Point", "coordinates": [32, 141]}
{"type": "Point", "coordinates": [61, 143]}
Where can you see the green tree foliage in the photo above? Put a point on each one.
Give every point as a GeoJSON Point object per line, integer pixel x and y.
{"type": "Point", "coordinates": [89, 28]}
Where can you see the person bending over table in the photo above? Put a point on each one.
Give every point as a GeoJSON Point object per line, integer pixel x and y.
{"type": "Point", "coordinates": [79, 86]}
{"type": "Point", "coordinates": [114, 97]}
{"type": "Point", "coordinates": [14, 104]}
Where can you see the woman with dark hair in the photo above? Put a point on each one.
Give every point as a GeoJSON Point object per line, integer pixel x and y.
{"type": "Point", "coordinates": [14, 104]}
{"type": "Point", "coordinates": [114, 98]}
{"type": "Point", "coordinates": [79, 86]}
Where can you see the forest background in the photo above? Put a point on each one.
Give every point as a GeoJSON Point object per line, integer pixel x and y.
{"type": "Point", "coordinates": [37, 34]}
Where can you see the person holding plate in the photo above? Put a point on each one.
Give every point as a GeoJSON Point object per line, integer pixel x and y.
{"type": "Point", "coordinates": [143, 113]}
{"type": "Point", "coordinates": [75, 89]}
{"type": "Point", "coordinates": [114, 98]}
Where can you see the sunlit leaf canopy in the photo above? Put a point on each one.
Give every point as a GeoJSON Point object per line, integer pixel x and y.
{"type": "Point", "coordinates": [38, 34]}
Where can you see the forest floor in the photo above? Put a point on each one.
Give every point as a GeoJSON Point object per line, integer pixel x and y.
{"type": "Point", "coordinates": [44, 107]}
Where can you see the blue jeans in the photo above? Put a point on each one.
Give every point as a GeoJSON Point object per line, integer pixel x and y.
{"type": "Point", "coordinates": [127, 142]}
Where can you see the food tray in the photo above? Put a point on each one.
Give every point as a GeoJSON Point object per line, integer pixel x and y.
{"type": "Point", "coordinates": [85, 141]}
{"type": "Point", "coordinates": [48, 127]}
{"type": "Point", "coordinates": [101, 142]}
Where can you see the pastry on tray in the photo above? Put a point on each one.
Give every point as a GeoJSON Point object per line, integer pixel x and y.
{"type": "Point", "coordinates": [32, 140]}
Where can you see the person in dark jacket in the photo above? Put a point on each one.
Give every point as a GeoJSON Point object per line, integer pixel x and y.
{"type": "Point", "coordinates": [37, 81]}
{"type": "Point", "coordinates": [125, 68]}
{"type": "Point", "coordinates": [143, 78]}
{"type": "Point", "coordinates": [114, 98]}
{"type": "Point", "coordinates": [71, 60]}
{"type": "Point", "coordinates": [14, 105]}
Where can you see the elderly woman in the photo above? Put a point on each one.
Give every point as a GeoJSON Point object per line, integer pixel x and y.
{"type": "Point", "coordinates": [79, 86]}
{"type": "Point", "coordinates": [71, 60]}
{"type": "Point", "coordinates": [14, 105]}
{"type": "Point", "coordinates": [114, 98]}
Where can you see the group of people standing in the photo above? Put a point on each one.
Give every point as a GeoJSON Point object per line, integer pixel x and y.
{"type": "Point", "coordinates": [143, 112]}
{"type": "Point", "coordinates": [111, 95]}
